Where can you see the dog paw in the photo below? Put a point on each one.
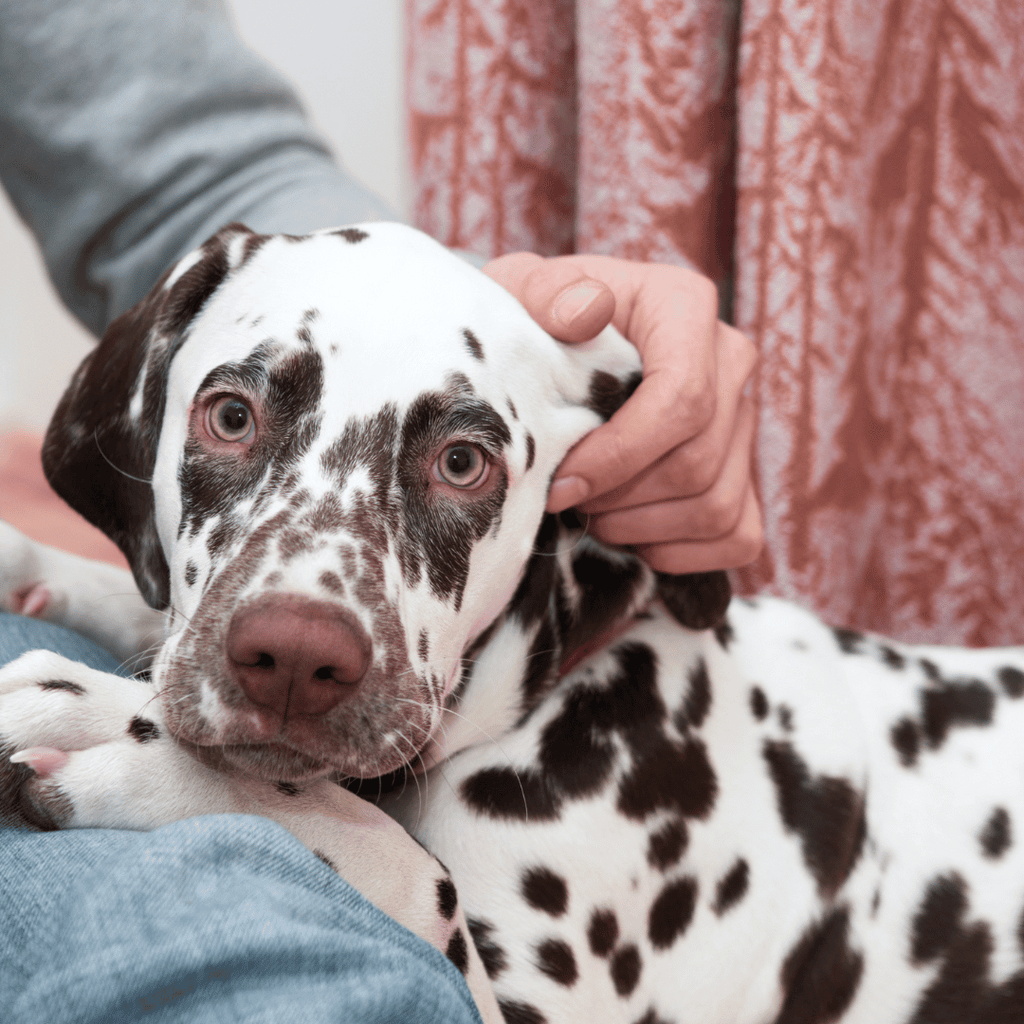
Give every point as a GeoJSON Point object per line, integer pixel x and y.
{"type": "Point", "coordinates": [79, 747]}
{"type": "Point", "coordinates": [23, 589]}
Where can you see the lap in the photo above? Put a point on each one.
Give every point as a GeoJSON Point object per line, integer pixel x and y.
{"type": "Point", "coordinates": [225, 917]}
{"type": "Point", "coordinates": [19, 634]}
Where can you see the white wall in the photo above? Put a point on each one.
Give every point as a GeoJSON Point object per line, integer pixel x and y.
{"type": "Point", "coordinates": [345, 57]}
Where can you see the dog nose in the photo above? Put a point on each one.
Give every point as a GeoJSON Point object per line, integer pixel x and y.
{"type": "Point", "coordinates": [296, 656]}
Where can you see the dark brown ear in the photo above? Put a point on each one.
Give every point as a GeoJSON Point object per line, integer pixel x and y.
{"type": "Point", "coordinates": [102, 440]}
{"type": "Point", "coordinates": [697, 600]}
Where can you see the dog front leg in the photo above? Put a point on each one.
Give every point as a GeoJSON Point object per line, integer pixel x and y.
{"type": "Point", "coordinates": [98, 600]}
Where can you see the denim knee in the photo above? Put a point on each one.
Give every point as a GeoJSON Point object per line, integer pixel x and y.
{"type": "Point", "coordinates": [19, 634]}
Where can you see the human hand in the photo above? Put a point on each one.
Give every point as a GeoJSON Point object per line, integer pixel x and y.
{"type": "Point", "coordinates": [670, 472]}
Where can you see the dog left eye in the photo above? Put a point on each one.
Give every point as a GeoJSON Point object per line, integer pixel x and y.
{"type": "Point", "coordinates": [462, 465]}
{"type": "Point", "coordinates": [230, 419]}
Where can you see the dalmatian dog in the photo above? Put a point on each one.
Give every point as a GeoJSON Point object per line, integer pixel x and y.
{"type": "Point", "coordinates": [655, 805]}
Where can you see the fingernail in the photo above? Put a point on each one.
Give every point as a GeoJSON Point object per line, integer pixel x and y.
{"type": "Point", "coordinates": [566, 492]}
{"type": "Point", "coordinates": [574, 301]}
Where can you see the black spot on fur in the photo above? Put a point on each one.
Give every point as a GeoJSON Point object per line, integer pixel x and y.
{"type": "Point", "coordinates": [786, 717]}
{"type": "Point", "coordinates": [669, 776]}
{"type": "Point", "coordinates": [961, 989]}
{"type": "Point", "coordinates": [697, 703]}
{"type": "Point", "coordinates": [520, 1013]}
{"type": "Point", "coordinates": [327, 860]}
{"type": "Point", "coordinates": [821, 973]}
{"type": "Point", "coordinates": [608, 583]}
{"type": "Point", "coordinates": [667, 845]}
{"type": "Point", "coordinates": [996, 837]}
{"type": "Point", "coordinates": [891, 657]}
{"type": "Point", "coordinates": [625, 969]}
{"type": "Point", "coordinates": [608, 394]}
{"type": "Point", "coordinates": [191, 572]}
{"type": "Point", "coordinates": [287, 788]}
{"type": "Point", "coordinates": [541, 665]}
{"type": "Point", "coordinates": [939, 917]}
{"type": "Point", "coordinates": [906, 738]}
{"type": "Point", "coordinates": [672, 912]}
{"type": "Point", "coordinates": [458, 951]}
{"type": "Point", "coordinates": [351, 235]}
{"type": "Point", "coordinates": [447, 899]}
{"type": "Point", "coordinates": [545, 890]}
{"type": "Point", "coordinates": [63, 684]}
{"type": "Point", "coordinates": [143, 730]}
{"type": "Point", "coordinates": [602, 932]}
{"type": "Point", "coordinates": [1012, 680]}
{"type": "Point", "coordinates": [949, 704]}
{"type": "Point", "coordinates": [476, 350]}
{"type": "Point", "coordinates": [506, 793]}
{"type": "Point", "coordinates": [849, 640]}
{"type": "Point", "coordinates": [531, 450]}
{"type": "Point", "coordinates": [650, 1017]}
{"type": "Point", "coordinates": [827, 814]}
{"type": "Point", "coordinates": [491, 954]}
{"type": "Point", "coordinates": [555, 959]}
{"type": "Point", "coordinates": [758, 703]}
{"type": "Point", "coordinates": [732, 887]}
{"type": "Point", "coordinates": [724, 634]}
{"type": "Point", "coordinates": [696, 600]}
{"type": "Point", "coordinates": [423, 645]}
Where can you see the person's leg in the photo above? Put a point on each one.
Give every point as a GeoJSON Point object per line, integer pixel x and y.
{"type": "Point", "coordinates": [19, 634]}
{"type": "Point", "coordinates": [205, 920]}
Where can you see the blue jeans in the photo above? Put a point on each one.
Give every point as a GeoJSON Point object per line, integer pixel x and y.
{"type": "Point", "coordinates": [212, 919]}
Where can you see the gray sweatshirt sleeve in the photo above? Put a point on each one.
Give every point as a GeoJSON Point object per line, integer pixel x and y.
{"type": "Point", "coordinates": [130, 130]}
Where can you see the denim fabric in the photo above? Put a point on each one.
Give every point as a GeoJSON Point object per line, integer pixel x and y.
{"type": "Point", "coordinates": [214, 919]}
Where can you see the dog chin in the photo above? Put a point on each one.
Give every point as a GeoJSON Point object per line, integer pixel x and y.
{"type": "Point", "coordinates": [269, 762]}
{"type": "Point", "coordinates": [276, 762]}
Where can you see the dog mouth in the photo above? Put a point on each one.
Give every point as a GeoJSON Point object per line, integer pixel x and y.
{"type": "Point", "coordinates": [300, 750]}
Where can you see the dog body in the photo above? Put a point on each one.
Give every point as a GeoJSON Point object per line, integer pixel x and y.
{"type": "Point", "coordinates": [327, 458]}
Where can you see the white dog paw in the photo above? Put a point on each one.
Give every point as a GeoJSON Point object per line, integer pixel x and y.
{"type": "Point", "coordinates": [69, 737]}
{"type": "Point", "coordinates": [23, 590]}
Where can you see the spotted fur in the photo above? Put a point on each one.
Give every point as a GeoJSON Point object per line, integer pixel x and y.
{"type": "Point", "coordinates": [649, 810]}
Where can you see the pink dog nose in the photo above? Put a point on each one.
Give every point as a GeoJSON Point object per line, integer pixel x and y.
{"type": "Point", "coordinates": [297, 656]}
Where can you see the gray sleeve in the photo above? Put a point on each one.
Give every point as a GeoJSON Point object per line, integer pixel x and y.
{"type": "Point", "coordinates": [130, 130]}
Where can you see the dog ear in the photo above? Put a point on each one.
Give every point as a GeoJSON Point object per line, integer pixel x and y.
{"type": "Point", "coordinates": [101, 444]}
{"type": "Point", "coordinates": [696, 600]}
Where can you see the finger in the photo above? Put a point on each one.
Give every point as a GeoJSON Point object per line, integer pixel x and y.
{"type": "Point", "coordinates": [740, 547]}
{"type": "Point", "coordinates": [671, 318]}
{"type": "Point", "coordinates": [568, 303]}
{"type": "Point", "coordinates": [707, 516]}
{"type": "Point", "coordinates": [693, 467]}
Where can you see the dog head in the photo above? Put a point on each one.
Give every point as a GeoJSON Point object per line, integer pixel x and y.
{"type": "Point", "coordinates": [328, 458]}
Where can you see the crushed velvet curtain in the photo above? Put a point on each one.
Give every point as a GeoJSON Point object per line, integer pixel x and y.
{"type": "Point", "coordinates": [851, 173]}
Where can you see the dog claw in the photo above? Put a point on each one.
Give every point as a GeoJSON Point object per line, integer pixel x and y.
{"type": "Point", "coordinates": [42, 760]}
{"type": "Point", "coordinates": [33, 601]}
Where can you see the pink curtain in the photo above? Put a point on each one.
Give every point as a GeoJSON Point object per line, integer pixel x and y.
{"type": "Point", "coordinates": [851, 173]}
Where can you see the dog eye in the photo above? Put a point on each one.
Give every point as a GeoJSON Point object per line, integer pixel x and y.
{"type": "Point", "coordinates": [462, 465]}
{"type": "Point", "coordinates": [230, 419]}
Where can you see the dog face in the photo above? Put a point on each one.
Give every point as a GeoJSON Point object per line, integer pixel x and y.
{"type": "Point", "coordinates": [349, 438]}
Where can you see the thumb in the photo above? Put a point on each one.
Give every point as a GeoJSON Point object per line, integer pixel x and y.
{"type": "Point", "coordinates": [568, 303]}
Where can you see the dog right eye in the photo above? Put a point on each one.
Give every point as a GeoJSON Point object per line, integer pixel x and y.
{"type": "Point", "coordinates": [462, 465]}
{"type": "Point", "coordinates": [230, 419]}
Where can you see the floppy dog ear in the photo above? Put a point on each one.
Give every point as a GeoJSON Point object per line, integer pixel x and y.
{"type": "Point", "coordinates": [101, 444]}
{"type": "Point", "coordinates": [696, 600]}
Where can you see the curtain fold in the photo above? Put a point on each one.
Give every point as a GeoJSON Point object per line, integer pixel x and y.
{"type": "Point", "coordinates": [851, 174]}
